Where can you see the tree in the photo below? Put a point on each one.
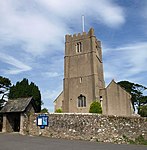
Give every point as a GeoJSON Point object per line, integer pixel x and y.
{"type": "Point", "coordinates": [5, 84]}
{"type": "Point", "coordinates": [143, 111]}
{"type": "Point", "coordinates": [136, 90]}
{"type": "Point", "coordinates": [24, 89]}
{"type": "Point", "coordinates": [95, 107]}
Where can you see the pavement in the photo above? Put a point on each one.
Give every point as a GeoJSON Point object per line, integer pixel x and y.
{"type": "Point", "coordinates": [15, 141]}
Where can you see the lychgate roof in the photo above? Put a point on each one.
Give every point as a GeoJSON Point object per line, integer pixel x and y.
{"type": "Point", "coordinates": [16, 105]}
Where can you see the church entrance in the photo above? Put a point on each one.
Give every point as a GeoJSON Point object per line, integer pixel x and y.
{"type": "Point", "coordinates": [13, 124]}
{"type": "Point", "coordinates": [17, 124]}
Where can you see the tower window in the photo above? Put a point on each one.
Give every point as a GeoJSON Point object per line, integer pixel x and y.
{"type": "Point", "coordinates": [79, 47]}
{"type": "Point", "coordinates": [81, 101]}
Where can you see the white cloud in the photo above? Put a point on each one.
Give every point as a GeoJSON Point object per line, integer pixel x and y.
{"type": "Point", "coordinates": [51, 74]}
{"type": "Point", "coordinates": [43, 23]}
{"type": "Point", "coordinates": [105, 9]}
{"type": "Point", "coordinates": [100, 10]}
{"type": "Point", "coordinates": [36, 31]}
{"type": "Point", "coordinates": [18, 65]}
{"type": "Point", "coordinates": [126, 61]}
{"type": "Point", "coordinates": [136, 54]}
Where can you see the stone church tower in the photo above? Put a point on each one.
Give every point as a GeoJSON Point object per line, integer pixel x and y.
{"type": "Point", "coordinates": [84, 79]}
{"type": "Point", "coordinates": [83, 71]}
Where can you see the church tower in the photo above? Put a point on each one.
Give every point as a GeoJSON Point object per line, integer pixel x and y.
{"type": "Point", "coordinates": [83, 72]}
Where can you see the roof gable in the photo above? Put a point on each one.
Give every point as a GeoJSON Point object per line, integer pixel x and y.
{"type": "Point", "coordinates": [115, 84]}
{"type": "Point", "coordinates": [58, 96]}
{"type": "Point", "coordinates": [16, 105]}
{"type": "Point", "coordinates": [112, 82]}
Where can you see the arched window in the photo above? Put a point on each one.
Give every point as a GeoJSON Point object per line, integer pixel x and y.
{"type": "Point", "coordinates": [81, 101]}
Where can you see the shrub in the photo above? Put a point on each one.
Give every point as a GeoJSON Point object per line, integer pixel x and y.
{"type": "Point", "coordinates": [58, 110]}
{"type": "Point", "coordinates": [143, 111]}
{"type": "Point", "coordinates": [44, 110]}
{"type": "Point", "coordinates": [95, 107]}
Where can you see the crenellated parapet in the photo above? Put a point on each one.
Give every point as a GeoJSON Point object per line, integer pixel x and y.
{"type": "Point", "coordinates": [79, 36]}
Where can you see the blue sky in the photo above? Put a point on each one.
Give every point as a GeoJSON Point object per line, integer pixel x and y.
{"type": "Point", "coordinates": [32, 39]}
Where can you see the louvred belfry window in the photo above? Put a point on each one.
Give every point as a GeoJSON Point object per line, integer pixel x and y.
{"type": "Point", "coordinates": [79, 47]}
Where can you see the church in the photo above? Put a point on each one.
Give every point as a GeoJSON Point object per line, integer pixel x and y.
{"type": "Point", "coordinates": [84, 82]}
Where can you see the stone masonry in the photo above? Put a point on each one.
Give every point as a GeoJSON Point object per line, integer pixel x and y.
{"type": "Point", "coordinates": [91, 127]}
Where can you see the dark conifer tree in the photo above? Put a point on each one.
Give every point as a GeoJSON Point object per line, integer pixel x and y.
{"type": "Point", "coordinates": [24, 89]}
{"type": "Point", "coordinates": [137, 92]}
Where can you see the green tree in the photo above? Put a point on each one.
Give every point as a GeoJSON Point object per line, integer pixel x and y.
{"type": "Point", "coordinates": [95, 107]}
{"type": "Point", "coordinates": [143, 110]}
{"type": "Point", "coordinates": [5, 84]}
{"type": "Point", "coordinates": [24, 89]}
{"type": "Point", "coordinates": [136, 90]}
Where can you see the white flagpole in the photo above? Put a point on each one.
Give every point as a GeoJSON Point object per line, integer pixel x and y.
{"type": "Point", "coordinates": [83, 23]}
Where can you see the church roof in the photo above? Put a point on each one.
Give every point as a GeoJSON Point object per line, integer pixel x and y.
{"type": "Point", "coordinates": [16, 105]}
{"type": "Point", "coordinates": [58, 96]}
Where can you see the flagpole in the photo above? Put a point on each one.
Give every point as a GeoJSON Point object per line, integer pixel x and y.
{"type": "Point", "coordinates": [83, 23]}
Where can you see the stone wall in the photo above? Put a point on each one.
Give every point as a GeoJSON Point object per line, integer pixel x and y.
{"type": "Point", "coordinates": [24, 122]}
{"type": "Point", "coordinates": [91, 127]}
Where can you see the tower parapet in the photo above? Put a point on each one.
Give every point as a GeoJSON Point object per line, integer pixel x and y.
{"type": "Point", "coordinates": [69, 38]}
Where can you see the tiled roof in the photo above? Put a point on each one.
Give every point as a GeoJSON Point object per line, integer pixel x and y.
{"type": "Point", "coordinates": [16, 105]}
